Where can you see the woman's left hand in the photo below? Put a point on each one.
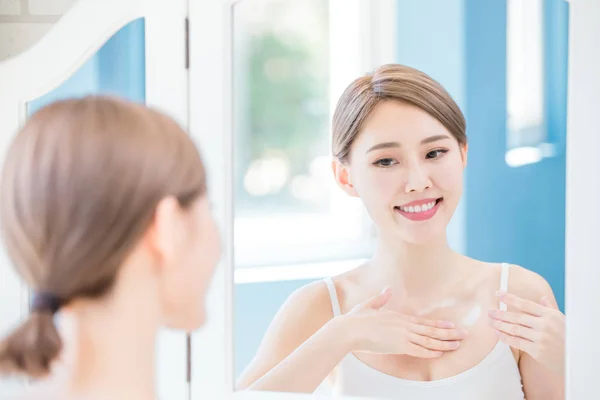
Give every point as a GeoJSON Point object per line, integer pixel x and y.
{"type": "Point", "coordinates": [537, 329]}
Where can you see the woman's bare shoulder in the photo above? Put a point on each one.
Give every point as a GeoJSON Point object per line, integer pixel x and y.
{"type": "Point", "coordinates": [314, 299]}
{"type": "Point", "coordinates": [309, 307]}
{"type": "Point", "coordinates": [303, 313]}
{"type": "Point", "coordinates": [521, 281]}
{"type": "Point", "coordinates": [349, 287]}
{"type": "Point", "coordinates": [528, 284]}
{"type": "Point", "coordinates": [310, 302]}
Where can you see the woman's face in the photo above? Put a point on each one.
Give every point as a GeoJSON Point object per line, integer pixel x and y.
{"type": "Point", "coordinates": [407, 169]}
{"type": "Point", "coordinates": [190, 254]}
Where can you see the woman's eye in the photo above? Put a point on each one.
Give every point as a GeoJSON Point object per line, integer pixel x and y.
{"type": "Point", "coordinates": [433, 154]}
{"type": "Point", "coordinates": [385, 162]}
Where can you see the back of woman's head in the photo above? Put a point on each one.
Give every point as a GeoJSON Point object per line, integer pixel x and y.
{"type": "Point", "coordinates": [80, 186]}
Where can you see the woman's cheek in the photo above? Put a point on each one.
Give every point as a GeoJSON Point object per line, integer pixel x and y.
{"type": "Point", "coordinates": [382, 185]}
{"type": "Point", "coordinates": [447, 176]}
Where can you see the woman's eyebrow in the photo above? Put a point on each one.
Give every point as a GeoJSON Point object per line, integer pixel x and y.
{"type": "Point", "coordinates": [387, 145]}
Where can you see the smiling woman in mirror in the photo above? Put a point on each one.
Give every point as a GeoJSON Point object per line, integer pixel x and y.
{"type": "Point", "coordinates": [418, 320]}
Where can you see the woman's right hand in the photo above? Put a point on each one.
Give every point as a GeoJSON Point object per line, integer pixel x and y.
{"type": "Point", "coordinates": [387, 332]}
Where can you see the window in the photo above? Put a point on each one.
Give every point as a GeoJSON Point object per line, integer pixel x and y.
{"type": "Point", "coordinates": [292, 60]}
{"type": "Point", "coordinates": [531, 80]}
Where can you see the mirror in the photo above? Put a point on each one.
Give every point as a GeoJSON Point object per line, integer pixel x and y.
{"type": "Point", "coordinates": [505, 65]}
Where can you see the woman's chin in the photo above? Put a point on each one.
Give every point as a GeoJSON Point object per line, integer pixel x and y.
{"type": "Point", "coordinates": [188, 322]}
{"type": "Point", "coordinates": [198, 322]}
{"type": "Point", "coordinates": [423, 235]}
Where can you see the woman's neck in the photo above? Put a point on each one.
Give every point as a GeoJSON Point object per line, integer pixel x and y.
{"type": "Point", "coordinates": [109, 350]}
{"type": "Point", "coordinates": [413, 271]}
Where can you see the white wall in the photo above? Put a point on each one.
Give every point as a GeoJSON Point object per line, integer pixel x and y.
{"type": "Point", "coordinates": [24, 22]}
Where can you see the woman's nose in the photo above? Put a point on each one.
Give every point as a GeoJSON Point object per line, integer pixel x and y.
{"type": "Point", "coordinates": [417, 178]}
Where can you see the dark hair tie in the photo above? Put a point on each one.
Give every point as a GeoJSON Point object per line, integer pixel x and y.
{"type": "Point", "coordinates": [45, 302]}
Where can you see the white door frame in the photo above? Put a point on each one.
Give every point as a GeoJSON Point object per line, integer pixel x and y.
{"type": "Point", "coordinates": [582, 278]}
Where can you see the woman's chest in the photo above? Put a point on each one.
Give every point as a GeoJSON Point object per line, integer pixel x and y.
{"type": "Point", "coordinates": [480, 344]}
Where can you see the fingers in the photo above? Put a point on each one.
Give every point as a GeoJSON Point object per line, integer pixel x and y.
{"type": "Point", "coordinates": [521, 304]}
{"type": "Point", "coordinates": [515, 330]}
{"type": "Point", "coordinates": [432, 344]}
{"type": "Point", "coordinates": [437, 333]}
{"type": "Point", "coordinates": [513, 317]}
{"type": "Point", "coordinates": [547, 302]}
{"type": "Point", "coordinates": [516, 342]}
{"type": "Point", "coordinates": [421, 352]}
{"type": "Point", "coordinates": [380, 300]}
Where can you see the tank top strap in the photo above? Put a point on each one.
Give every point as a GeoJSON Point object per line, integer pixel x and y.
{"type": "Point", "coordinates": [335, 304]}
{"type": "Point", "coordinates": [504, 282]}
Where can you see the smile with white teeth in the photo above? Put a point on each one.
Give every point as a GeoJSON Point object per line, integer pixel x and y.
{"type": "Point", "coordinates": [418, 209]}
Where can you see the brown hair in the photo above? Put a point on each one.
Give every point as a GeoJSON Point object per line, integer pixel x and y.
{"type": "Point", "coordinates": [392, 82]}
{"type": "Point", "coordinates": [79, 188]}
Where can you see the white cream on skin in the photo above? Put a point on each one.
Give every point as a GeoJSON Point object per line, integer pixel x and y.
{"type": "Point", "coordinates": [472, 316]}
{"type": "Point", "coordinates": [468, 319]}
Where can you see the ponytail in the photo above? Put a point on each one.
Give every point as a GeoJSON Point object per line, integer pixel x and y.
{"type": "Point", "coordinates": [33, 346]}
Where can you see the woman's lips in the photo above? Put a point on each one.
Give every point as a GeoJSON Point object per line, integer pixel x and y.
{"type": "Point", "coordinates": [420, 210]}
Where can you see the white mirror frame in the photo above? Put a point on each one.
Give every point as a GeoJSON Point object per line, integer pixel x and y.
{"type": "Point", "coordinates": [211, 105]}
{"type": "Point", "coordinates": [74, 39]}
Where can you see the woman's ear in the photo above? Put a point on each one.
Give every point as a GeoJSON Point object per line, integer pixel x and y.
{"type": "Point", "coordinates": [463, 153]}
{"type": "Point", "coordinates": [162, 236]}
{"type": "Point", "coordinates": [341, 173]}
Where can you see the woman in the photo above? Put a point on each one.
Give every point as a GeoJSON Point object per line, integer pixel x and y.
{"type": "Point", "coordinates": [413, 321]}
{"type": "Point", "coordinates": [105, 215]}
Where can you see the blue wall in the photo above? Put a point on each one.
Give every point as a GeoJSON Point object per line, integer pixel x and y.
{"type": "Point", "coordinates": [515, 214]}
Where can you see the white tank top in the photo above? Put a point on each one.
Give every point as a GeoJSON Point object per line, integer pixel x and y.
{"type": "Point", "coordinates": [496, 377]}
